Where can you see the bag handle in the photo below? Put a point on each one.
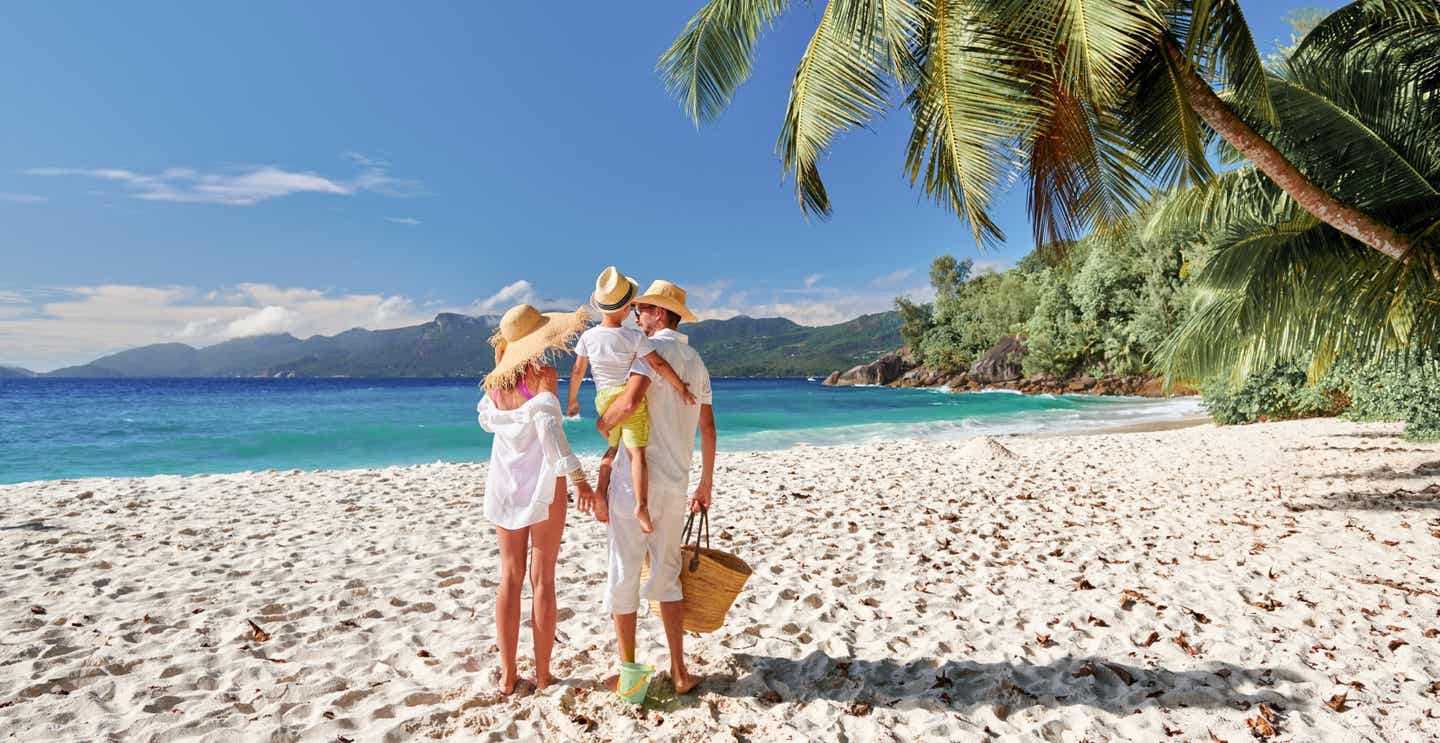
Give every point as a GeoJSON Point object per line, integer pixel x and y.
{"type": "Point", "coordinates": [704, 527]}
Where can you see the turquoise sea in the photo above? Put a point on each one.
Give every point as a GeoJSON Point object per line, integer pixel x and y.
{"type": "Point", "coordinates": [62, 428]}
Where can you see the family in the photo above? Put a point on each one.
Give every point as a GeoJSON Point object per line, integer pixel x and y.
{"type": "Point", "coordinates": [642, 479]}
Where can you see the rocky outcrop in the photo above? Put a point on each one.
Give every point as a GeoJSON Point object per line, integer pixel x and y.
{"type": "Point", "coordinates": [1001, 363]}
{"type": "Point", "coordinates": [1000, 368]}
{"type": "Point", "coordinates": [884, 370]}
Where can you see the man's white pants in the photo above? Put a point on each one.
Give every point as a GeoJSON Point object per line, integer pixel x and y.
{"type": "Point", "coordinates": [629, 547]}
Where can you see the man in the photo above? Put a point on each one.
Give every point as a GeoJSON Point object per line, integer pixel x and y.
{"type": "Point", "coordinates": [672, 443]}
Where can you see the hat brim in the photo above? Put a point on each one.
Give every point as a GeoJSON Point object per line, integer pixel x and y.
{"type": "Point", "coordinates": [669, 303]}
{"type": "Point", "coordinates": [553, 336]}
{"type": "Point", "coordinates": [634, 290]}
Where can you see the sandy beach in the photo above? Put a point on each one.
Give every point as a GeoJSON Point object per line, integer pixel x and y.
{"type": "Point", "coordinates": [1190, 584]}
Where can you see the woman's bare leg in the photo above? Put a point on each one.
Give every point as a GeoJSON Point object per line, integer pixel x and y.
{"type": "Point", "coordinates": [514, 543]}
{"type": "Point", "coordinates": [544, 549]}
{"type": "Point", "coordinates": [640, 474]}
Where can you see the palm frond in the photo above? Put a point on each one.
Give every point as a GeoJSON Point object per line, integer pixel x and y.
{"type": "Point", "coordinates": [1080, 172]}
{"type": "Point", "coordinates": [967, 108]}
{"type": "Point", "coordinates": [712, 56]}
{"type": "Point", "coordinates": [838, 85]}
{"type": "Point", "coordinates": [1095, 43]}
{"type": "Point", "coordinates": [1219, 39]}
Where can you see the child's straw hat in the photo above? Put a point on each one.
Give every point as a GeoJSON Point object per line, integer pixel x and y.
{"type": "Point", "coordinates": [613, 290]}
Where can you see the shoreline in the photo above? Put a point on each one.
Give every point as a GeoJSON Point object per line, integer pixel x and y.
{"type": "Point", "coordinates": [1111, 586]}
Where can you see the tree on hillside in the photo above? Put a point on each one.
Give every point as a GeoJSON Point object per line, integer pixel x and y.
{"type": "Point", "coordinates": [1088, 99]}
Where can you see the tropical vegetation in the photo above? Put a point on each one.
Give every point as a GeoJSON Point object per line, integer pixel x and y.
{"type": "Point", "coordinates": [1243, 220]}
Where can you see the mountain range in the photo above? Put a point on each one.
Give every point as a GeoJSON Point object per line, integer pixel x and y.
{"type": "Point", "coordinates": [455, 345]}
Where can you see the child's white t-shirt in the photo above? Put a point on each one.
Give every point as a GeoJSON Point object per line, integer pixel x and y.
{"type": "Point", "coordinates": [613, 353]}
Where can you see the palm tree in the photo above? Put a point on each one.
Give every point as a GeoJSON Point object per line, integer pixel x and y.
{"type": "Point", "coordinates": [1363, 118]}
{"type": "Point", "coordinates": [1092, 100]}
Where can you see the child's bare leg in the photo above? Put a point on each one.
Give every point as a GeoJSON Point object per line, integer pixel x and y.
{"type": "Point", "coordinates": [641, 476]}
{"type": "Point", "coordinates": [602, 483]}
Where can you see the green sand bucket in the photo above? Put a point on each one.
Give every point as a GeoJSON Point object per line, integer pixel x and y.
{"type": "Point", "coordinates": [634, 682]}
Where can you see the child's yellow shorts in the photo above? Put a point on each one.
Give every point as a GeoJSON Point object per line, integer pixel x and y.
{"type": "Point", "coordinates": [634, 430]}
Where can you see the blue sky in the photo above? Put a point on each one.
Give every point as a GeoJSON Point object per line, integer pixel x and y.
{"type": "Point", "coordinates": [192, 172]}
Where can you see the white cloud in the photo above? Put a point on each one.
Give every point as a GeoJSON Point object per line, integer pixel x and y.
{"type": "Point", "coordinates": [404, 220]}
{"type": "Point", "coordinates": [892, 279]}
{"type": "Point", "coordinates": [519, 292]}
{"type": "Point", "coordinates": [11, 197]}
{"type": "Point", "coordinates": [243, 186]}
{"type": "Point", "coordinates": [266, 321]}
{"type": "Point", "coordinates": [813, 279]}
{"type": "Point", "coordinates": [990, 264]}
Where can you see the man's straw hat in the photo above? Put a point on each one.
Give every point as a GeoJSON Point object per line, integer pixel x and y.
{"type": "Point", "coordinates": [527, 336]}
{"type": "Point", "coordinates": [667, 295]}
{"type": "Point", "coordinates": [613, 290]}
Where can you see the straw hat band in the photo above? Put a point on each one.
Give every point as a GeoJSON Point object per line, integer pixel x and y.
{"type": "Point", "coordinates": [613, 290]}
{"type": "Point", "coordinates": [624, 299]}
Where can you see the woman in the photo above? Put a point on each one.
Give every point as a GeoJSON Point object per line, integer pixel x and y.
{"type": "Point", "coordinates": [525, 492]}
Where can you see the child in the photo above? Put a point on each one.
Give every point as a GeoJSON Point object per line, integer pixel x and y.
{"type": "Point", "coordinates": [610, 350]}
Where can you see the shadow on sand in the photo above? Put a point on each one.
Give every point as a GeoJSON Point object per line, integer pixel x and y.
{"type": "Point", "coordinates": [962, 685]}
{"type": "Point", "coordinates": [35, 525]}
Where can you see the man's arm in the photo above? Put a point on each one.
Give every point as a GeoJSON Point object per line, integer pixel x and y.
{"type": "Point", "coordinates": [625, 404]}
{"type": "Point", "coordinates": [577, 375]}
{"type": "Point", "coordinates": [701, 498]}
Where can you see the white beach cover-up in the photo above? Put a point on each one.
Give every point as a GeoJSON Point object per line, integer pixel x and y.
{"type": "Point", "coordinates": [529, 452]}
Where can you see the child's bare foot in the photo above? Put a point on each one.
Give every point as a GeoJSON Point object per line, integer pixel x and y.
{"type": "Point", "coordinates": [642, 514]}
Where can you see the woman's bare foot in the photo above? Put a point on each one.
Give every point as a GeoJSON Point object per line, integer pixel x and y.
{"type": "Point", "coordinates": [506, 681]}
{"type": "Point", "coordinates": [543, 680]}
{"type": "Point", "coordinates": [642, 514]}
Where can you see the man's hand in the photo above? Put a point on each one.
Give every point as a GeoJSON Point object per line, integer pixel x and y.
{"type": "Point", "coordinates": [700, 499]}
{"type": "Point", "coordinates": [688, 396]}
{"type": "Point", "coordinates": [573, 409]}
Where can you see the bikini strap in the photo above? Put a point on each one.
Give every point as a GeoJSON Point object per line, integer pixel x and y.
{"type": "Point", "coordinates": [525, 390]}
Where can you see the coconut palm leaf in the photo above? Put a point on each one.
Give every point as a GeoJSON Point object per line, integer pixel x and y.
{"type": "Point", "coordinates": [713, 54]}
{"type": "Point", "coordinates": [968, 106]}
{"type": "Point", "coordinates": [839, 85]}
{"type": "Point", "coordinates": [1219, 39]}
{"type": "Point", "coordinates": [1094, 43]}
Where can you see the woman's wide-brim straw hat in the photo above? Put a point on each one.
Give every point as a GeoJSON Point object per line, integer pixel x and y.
{"type": "Point", "coordinates": [613, 290]}
{"type": "Point", "coordinates": [667, 295]}
{"type": "Point", "coordinates": [526, 336]}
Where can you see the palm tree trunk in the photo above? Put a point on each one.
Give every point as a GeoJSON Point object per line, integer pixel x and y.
{"type": "Point", "coordinates": [1273, 163]}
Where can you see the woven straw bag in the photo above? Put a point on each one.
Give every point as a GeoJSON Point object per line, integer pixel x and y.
{"type": "Point", "coordinates": [709, 578]}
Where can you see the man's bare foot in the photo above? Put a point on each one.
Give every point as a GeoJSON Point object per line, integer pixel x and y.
{"type": "Point", "coordinates": [684, 682]}
{"type": "Point", "coordinates": [642, 514]}
{"type": "Point", "coordinates": [506, 681]}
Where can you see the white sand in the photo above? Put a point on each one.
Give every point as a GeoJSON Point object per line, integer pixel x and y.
{"type": "Point", "coordinates": [902, 591]}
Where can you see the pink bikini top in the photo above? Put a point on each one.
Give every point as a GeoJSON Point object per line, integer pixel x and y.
{"type": "Point", "coordinates": [525, 390]}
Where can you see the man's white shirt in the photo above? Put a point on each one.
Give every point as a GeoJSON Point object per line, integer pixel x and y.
{"type": "Point", "coordinates": [672, 428]}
